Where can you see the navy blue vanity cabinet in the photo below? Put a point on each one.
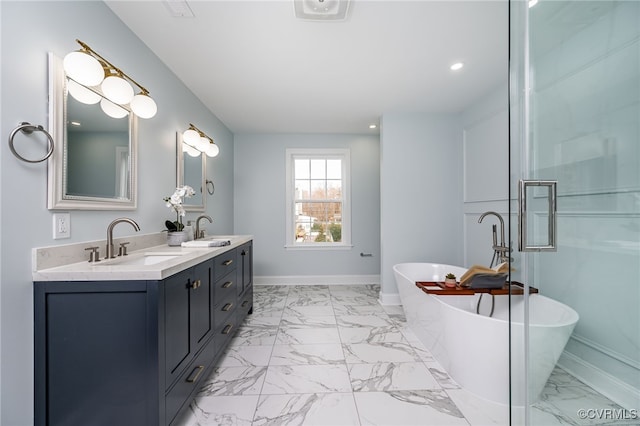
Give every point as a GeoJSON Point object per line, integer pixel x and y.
{"type": "Point", "coordinates": [131, 352]}
{"type": "Point", "coordinates": [96, 353]}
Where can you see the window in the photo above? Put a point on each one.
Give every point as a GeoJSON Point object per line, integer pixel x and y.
{"type": "Point", "coordinates": [318, 208]}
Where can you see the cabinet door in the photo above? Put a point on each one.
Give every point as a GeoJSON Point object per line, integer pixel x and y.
{"type": "Point", "coordinates": [246, 262]}
{"type": "Point", "coordinates": [201, 304]}
{"type": "Point", "coordinates": [176, 323]}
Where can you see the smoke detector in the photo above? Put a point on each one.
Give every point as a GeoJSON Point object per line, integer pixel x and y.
{"type": "Point", "coordinates": [321, 10]}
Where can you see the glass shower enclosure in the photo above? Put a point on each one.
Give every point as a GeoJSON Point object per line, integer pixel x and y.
{"type": "Point", "coordinates": [575, 125]}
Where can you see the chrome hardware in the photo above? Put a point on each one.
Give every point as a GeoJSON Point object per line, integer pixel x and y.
{"type": "Point", "coordinates": [522, 215]}
{"type": "Point", "coordinates": [227, 329]}
{"type": "Point", "coordinates": [500, 251]}
{"type": "Point", "coordinates": [227, 284]}
{"type": "Point", "coordinates": [226, 307]}
{"type": "Point", "coordinates": [195, 374]}
{"type": "Point", "coordinates": [94, 256]}
{"type": "Point", "coordinates": [195, 284]}
{"type": "Point", "coordinates": [199, 233]}
{"type": "Point", "coordinates": [213, 187]}
{"type": "Point", "coordinates": [227, 262]}
{"type": "Point", "coordinates": [110, 250]}
{"type": "Point", "coordinates": [122, 251]}
{"type": "Point", "coordinates": [28, 128]}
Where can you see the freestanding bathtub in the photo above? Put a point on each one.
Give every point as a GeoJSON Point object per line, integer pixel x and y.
{"type": "Point", "coordinates": [474, 348]}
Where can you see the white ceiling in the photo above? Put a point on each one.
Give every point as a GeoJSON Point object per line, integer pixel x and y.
{"type": "Point", "coordinates": [259, 69]}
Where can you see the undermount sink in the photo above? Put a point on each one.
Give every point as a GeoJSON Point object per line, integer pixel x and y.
{"type": "Point", "coordinates": [145, 259]}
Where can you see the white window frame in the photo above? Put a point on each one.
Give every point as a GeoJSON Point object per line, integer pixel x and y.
{"type": "Point", "coordinates": [342, 154]}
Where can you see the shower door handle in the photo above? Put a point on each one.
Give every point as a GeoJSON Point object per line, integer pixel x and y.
{"type": "Point", "coordinates": [523, 245]}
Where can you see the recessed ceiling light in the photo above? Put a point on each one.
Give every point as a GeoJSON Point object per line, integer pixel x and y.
{"type": "Point", "coordinates": [373, 126]}
{"type": "Point", "coordinates": [456, 66]}
{"type": "Point", "coordinates": [321, 10]}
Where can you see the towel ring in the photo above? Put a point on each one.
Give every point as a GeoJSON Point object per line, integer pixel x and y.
{"type": "Point", "coordinates": [213, 188]}
{"type": "Point", "coordinates": [28, 128]}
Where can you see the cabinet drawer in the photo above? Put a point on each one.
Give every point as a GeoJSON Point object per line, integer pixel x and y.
{"type": "Point", "coordinates": [225, 331]}
{"type": "Point", "coordinates": [225, 286]}
{"type": "Point", "coordinates": [225, 263]}
{"type": "Point", "coordinates": [224, 309]}
{"type": "Point", "coordinates": [189, 381]}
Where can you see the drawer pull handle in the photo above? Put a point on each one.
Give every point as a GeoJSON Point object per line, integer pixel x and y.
{"type": "Point", "coordinates": [227, 262]}
{"type": "Point", "coordinates": [226, 307]}
{"type": "Point", "coordinates": [227, 284]}
{"type": "Point", "coordinates": [245, 303]}
{"type": "Point", "coordinates": [196, 284]}
{"type": "Point", "coordinates": [227, 329]}
{"type": "Point", "coordinates": [195, 374]}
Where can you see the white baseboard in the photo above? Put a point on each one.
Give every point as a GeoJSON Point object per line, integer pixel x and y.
{"type": "Point", "coordinates": [611, 387]}
{"type": "Point", "coordinates": [316, 279]}
{"type": "Point", "coordinates": [389, 299]}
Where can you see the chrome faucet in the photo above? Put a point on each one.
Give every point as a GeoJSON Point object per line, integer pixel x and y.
{"type": "Point", "coordinates": [199, 233]}
{"type": "Point", "coordinates": [500, 251]}
{"type": "Point", "coordinates": [110, 250]}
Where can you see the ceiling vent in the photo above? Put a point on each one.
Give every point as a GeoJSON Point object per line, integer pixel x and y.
{"type": "Point", "coordinates": [321, 10]}
{"type": "Point", "coordinates": [179, 8]}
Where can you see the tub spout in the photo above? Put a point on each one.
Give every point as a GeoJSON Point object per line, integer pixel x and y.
{"type": "Point", "coordinates": [500, 251]}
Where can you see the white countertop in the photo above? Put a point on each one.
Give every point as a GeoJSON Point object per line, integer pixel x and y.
{"type": "Point", "coordinates": [114, 270]}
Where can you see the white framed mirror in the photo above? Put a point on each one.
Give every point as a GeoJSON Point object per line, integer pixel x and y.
{"type": "Point", "coordinates": [191, 170]}
{"type": "Point", "coordinates": [94, 163]}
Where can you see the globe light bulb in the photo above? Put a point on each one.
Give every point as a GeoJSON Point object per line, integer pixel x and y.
{"type": "Point", "coordinates": [117, 89]}
{"type": "Point", "coordinates": [192, 151]}
{"type": "Point", "coordinates": [143, 106]}
{"type": "Point", "coordinates": [82, 94]}
{"type": "Point", "coordinates": [202, 143]}
{"type": "Point", "coordinates": [112, 110]}
{"type": "Point", "coordinates": [212, 150]}
{"type": "Point", "coordinates": [191, 137]}
{"type": "Point", "coordinates": [83, 68]}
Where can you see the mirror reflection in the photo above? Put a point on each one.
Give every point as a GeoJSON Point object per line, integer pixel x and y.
{"type": "Point", "coordinates": [97, 147]}
{"type": "Point", "coordinates": [94, 166]}
{"type": "Point", "coordinates": [191, 169]}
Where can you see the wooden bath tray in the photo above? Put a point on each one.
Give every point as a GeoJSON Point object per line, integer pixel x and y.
{"type": "Point", "coordinates": [517, 288]}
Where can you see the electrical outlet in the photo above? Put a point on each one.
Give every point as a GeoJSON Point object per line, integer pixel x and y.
{"type": "Point", "coordinates": [61, 226]}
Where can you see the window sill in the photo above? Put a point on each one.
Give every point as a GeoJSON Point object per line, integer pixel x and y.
{"type": "Point", "coordinates": [318, 246]}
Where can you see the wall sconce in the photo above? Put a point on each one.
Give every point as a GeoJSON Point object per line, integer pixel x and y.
{"type": "Point", "coordinates": [194, 142]}
{"type": "Point", "coordinates": [90, 70]}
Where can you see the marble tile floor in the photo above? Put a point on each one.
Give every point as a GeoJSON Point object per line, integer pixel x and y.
{"type": "Point", "coordinates": [332, 355]}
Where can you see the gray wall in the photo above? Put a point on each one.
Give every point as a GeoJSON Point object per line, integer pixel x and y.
{"type": "Point", "coordinates": [420, 184]}
{"type": "Point", "coordinates": [259, 205]}
{"type": "Point", "coordinates": [28, 31]}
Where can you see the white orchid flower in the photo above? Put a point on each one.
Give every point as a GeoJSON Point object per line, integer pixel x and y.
{"type": "Point", "coordinates": [175, 203]}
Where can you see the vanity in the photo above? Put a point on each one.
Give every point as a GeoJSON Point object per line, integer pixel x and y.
{"type": "Point", "coordinates": [128, 341]}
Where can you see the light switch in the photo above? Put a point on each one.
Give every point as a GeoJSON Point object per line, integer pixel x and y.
{"type": "Point", "coordinates": [61, 226]}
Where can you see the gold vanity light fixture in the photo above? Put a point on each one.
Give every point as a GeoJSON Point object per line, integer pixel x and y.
{"type": "Point", "coordinates": [87, 68]}
{"type": "Point", "coordinates": [195, 141]}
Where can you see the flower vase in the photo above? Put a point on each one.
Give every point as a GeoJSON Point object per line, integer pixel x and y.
{"type": "Point", "coordinates": [176, 238]}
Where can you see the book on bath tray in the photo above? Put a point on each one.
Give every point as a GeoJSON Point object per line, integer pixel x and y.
{"type": "Point", "coordinates": [479, 276]}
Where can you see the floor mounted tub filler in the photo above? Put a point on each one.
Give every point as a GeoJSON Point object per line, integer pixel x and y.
{"type": "Point", "coordinates": [474, 347]}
